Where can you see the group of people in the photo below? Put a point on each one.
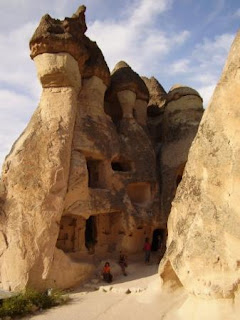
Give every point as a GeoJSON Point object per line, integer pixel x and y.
{"type": "Point", "coordinates": [122, 261]}
{"type": "Point", "coordinates": [106, 273]}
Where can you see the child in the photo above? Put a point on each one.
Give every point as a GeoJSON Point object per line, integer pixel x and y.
{"type": "Point", "coordinates": [106, 273]}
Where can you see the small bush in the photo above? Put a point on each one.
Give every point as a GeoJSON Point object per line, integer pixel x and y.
{"type": "Point", "coordinates": [30, 301]}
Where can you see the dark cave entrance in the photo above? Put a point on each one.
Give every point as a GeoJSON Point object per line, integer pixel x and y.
{"type": "Point", "coordinates": [90, 234]}
{"type": "Point", "coordinates": [116, 166]}
{"type": "Point", "coordinates": [121, 165]}
{"type": "Point", "coordinates": [93, 167]}
{"type": "Point", "coordinates": [158, 239]}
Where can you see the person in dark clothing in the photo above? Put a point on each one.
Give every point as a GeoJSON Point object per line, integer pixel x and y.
{"type": "Point", "coordinates": [147, 249]}
{"type": "Point", "coordinates": [123, 262]}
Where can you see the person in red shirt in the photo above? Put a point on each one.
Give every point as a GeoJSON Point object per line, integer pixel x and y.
{"type": "Point", "coordinates": [106, 273]}
{"type": "Point", "coordinates": [147, 249]}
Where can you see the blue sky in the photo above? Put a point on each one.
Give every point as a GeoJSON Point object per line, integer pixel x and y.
{"type": "Point", "coordinates": [177, 41]}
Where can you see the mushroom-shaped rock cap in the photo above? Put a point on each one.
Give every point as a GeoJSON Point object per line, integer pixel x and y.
{"type": "Point", "coordinates": [156, 91]}
{"type": "Point", "coordinates": [124, 78]}
{"type": "Point", "coordinates": [177, 91]}
{"type": "Point", "coordinates": [68, 35]}
{"type": "Point", "coordinates": [157, 97]}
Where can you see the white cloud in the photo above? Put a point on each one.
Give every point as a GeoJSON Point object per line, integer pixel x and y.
{"type": "Point", "coordinates": [135, 38]}
{"type": "Point", "coordinates": [202, 68]}
{"type": "Point", "coordinates": [180, 66]}
{"type": "Point", "coordinates": [213, 51]}
{"type": "Point", "coordinates": [206, 93]}
{"type": "Point", "coordinates": [17, 68]}
{"type": "Point", "coordinates": [210, 56]}
{"type": "Point", "coordinates": [19, 87]}
{"type": "Point", "coordinates": [145, 11]}
{"type": "Point", "coordinates": [15, 112]}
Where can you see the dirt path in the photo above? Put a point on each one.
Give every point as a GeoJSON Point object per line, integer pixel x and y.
{"type": "Point", "coordinates": [125, 298]}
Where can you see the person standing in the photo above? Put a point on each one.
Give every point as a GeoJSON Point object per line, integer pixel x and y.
{"type": "Point", "coordinates": [123, 262]}
{"type": "Point", "coordinates": [147, 249]}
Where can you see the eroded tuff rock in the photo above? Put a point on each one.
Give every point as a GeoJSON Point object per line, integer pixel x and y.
{"type": "Point", "coordinates": [75, 184]}
{"type": "Point", "coordinates": [182, 114]}
{"type": "Point", "coordinates": [124, 78]}
{"type": "Point", "coordinates": [178, 91]}
{"type": "Point", "coordinates": [55, 36]}
{"type": "Point", "coordinates": [155, 111]}
{"type": "Point", "coordinates": [81, 181]}
{"type": "Point", "coordinates": [204, 226]}
{"type": "Point", "coordinates": [35, 177]}
{"type": "Point", "coordinates": [157, 96]}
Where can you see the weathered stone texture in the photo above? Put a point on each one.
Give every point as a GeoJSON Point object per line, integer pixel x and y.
{"type": "Point", "coordinates": [35, 175]}
{"type": "Point", "coordinates": [124, 78]}
{"type": "Point", "coordinates": [181, 119]}
{"type": "Point", "coordinates": [204, 227]}
{"type": "Point", "coordinates": [157, 94]}
{"type": "Point", "coordinates": [54, 36]}
{"type": "Point", "coordinates": [81, 182]}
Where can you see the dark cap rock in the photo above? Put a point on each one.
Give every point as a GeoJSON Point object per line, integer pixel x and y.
{"type": "Point", "coordinates": [68, 35]}
{"type": "Point", "coordinates": [124, 78]}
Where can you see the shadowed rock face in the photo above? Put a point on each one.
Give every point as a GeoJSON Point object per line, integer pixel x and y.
{"type": "Point", "coordinates": [172, 123]}
{"type": "Point", "coordinates": [182, 114]}
{"type": "Point", "coordinates": [204, 224]}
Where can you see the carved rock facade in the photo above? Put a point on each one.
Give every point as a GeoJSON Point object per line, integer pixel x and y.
{"type": "Point", "coordinates": [82, 181]}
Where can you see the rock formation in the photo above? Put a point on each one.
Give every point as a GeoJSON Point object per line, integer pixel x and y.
{"type": "Point", "coordinates": [157, 95]}
{"type": "Point", "coordinates": [204, 225]}
{"type": "Point", "coordinates": [155, 111]}
{"type": "Point", "coordinates": [173, 120]}
{"type": "Point", "coordinates": [182, 114]}
{"type": "Point", "coordinates": [81, 182]}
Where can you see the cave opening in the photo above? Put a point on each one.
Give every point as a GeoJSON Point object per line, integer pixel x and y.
{"type": "Point", "coordinates": [158, 239]}
{"type": "Point", "coordinates": [121, 165]}
{"type": "Point", "coordinates": [91, 234]}
{"type": "Point", "coordinates": [93, 167]}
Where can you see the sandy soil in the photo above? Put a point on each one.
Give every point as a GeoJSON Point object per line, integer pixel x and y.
{"type": "Point", "coordinates": [132, 297]}
{"type": "Point", "coordinates": [138, 296]}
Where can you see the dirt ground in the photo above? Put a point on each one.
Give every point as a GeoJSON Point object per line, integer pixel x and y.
{"type": "Point", "coordinates": [134, 296]}
{"type": "Point", "coordinates": [138, 296]}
